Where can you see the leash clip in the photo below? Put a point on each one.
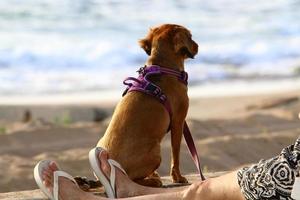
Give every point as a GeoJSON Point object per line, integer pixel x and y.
{"type": "Point", "coordinates": [141, 70]}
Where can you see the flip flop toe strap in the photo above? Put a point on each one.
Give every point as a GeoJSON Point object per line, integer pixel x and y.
{"type": "Point", "coordinates": [112, 177]}
{"type": "Point", "coordinates": [56, 176]}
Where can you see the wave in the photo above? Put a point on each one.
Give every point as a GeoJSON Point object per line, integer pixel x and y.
{"type": "Point", "coordinates": [52, 46]}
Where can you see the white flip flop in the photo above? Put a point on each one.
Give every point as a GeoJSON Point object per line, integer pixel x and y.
{"type": "Point", "coordinates": [38, 176]}
{"type": "Point", "coordinates": [109, 185]}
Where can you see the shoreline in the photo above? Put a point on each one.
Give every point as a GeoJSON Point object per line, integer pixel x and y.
{"type": "Point", "coordinates": [111, 97]}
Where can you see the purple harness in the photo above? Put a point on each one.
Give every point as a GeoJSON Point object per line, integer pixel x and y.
{"type": "Point", "coordinates": [142, 84]}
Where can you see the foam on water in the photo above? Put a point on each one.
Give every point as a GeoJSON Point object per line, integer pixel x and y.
{"type": "Point", "coordinates": [54, 46]}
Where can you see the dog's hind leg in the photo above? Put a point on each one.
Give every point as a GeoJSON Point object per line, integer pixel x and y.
{"type": "Point", "coordinates": [153, 180]}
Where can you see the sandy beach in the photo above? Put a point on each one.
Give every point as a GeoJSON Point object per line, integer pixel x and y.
{"type": "Point", "coordinates": [62, 66]}
{"type": "Point", "coordinates": [229, 131]}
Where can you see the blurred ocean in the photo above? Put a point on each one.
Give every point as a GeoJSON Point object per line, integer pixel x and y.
{"type": "Point", "coordinates": [54, 46]}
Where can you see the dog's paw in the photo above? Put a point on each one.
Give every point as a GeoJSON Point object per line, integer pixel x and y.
{"type": "Point", "coordinates": [176, 176]}
{"type": "Point", "coordinates": [86, 184]}
{"type": "Point", "coordinates": [155, 182]}
{"type": "Point", "coordinates": [149, 182]}
{"type": "Point", "coordinates": [180, 179]}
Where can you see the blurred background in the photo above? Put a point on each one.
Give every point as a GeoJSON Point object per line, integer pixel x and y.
{"type": "Point", "coordinates": [62, 64]}
{"type": "Point", "coordinates": [55, 47]}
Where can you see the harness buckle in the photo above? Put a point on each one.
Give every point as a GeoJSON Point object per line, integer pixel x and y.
{"type": "Point", "coordinates": [163, 98]}
{"type": "Point", "coordinates": [153, 89]}
{"type": "Point", "coordinates": [141, 70]}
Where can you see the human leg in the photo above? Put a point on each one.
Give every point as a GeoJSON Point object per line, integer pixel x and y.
{"type": "Point", "coordinates": [267, 177]}
{"type": "Point", "coordinates": [68, 190]}
{"type": "Point", "coordinates": [273, 178]}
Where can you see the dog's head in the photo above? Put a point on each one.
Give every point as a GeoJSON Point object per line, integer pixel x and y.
{"type": "Point", "coordinates": [170, 37]}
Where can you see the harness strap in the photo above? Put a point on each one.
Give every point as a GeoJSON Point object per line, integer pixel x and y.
{"type": "Point", "coordinates": [155, 69]}
{"type": "Point", "coordinates": [142, 84]}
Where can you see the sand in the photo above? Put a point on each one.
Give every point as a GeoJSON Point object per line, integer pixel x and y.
{"type": "Point", "coordinates": [229, 131]}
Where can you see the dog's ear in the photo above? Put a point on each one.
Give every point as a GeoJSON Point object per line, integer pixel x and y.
{"type": "Point", "coordinates": [146, 43]}
{"type": "Point", "coordinates": [184, 45]}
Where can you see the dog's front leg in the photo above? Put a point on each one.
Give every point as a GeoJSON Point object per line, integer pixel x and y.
{"type": "Point", "coordinates": [176, 135]}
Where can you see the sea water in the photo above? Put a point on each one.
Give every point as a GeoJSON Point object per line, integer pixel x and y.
{"type": "Point", "coordinates": [60, 47]}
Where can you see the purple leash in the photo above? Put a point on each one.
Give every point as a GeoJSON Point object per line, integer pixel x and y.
{"type": "Point", "coordinates": [142, 84]}
{"type": "Point", "coordinates": [192, 148]}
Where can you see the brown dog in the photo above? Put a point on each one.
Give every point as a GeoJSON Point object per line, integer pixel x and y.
{"type": "Point", "coordinates": [140, 122]}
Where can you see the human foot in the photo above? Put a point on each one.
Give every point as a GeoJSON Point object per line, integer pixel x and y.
{"type": "Point", "coordinates": [57, 185]}
{"type": "Point", "coordinates": [111, 175]}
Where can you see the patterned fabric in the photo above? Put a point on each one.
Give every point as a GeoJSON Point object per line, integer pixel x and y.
{"type": "Point", "coordinates": [272, 179]}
